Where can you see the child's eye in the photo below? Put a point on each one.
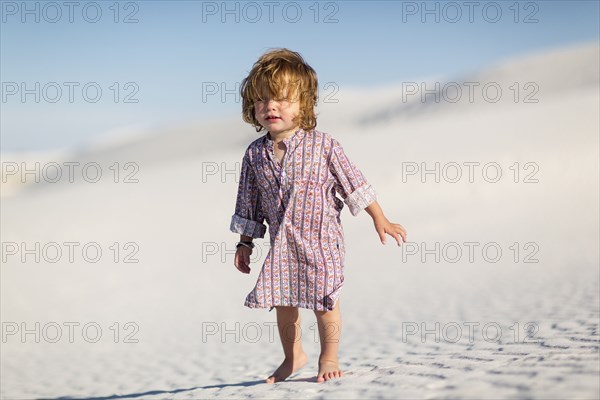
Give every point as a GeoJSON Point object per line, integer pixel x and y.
{"type": "Point", "coordinates": [277, 100]}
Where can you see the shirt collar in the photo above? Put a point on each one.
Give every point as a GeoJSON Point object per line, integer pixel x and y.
{"type": "Point", "coordinates": [290, 142]}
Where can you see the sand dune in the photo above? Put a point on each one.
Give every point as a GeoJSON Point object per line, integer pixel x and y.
{"type": "Point", "coordinates": [524, 80]}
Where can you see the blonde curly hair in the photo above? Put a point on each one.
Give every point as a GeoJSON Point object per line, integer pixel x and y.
{"type": "Point", "coordinates": [281, 74]}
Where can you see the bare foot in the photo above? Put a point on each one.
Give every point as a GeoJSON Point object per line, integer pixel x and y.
{"type": "Point", "coordinates": [287, 368]}
{"type": "Point", "coordinates": [328, 369]}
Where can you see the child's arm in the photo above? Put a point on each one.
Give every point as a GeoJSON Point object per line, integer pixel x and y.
{"type": "Point", "coordinates": [248, 219]}
{"type": "Point", "coordinates": [242, 256]}
{"type": "Point", "coordinates": [358, 194]}
{"type": "Point", "coordinates": [383, 226]}
{"type": "Point", "coordinates": [351, 183]}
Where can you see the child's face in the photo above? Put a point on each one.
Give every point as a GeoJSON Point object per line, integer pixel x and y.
{"type": "Point", "coordinates": [277, 115]}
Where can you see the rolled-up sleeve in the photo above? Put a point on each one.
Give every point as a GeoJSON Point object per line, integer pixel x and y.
{"type": "Point", "coordinates": [350, 182]}
{"type": "Point", "coordinates": [248, 219]}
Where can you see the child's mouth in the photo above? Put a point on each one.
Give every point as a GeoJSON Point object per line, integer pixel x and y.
{"type": "Point", "coordinates": [272, 118]}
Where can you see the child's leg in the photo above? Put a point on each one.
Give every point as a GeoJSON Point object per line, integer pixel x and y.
{"type": "Point", "coordinates": [330, 329]}
{"type": "Point", "coordinates": [288, 324]}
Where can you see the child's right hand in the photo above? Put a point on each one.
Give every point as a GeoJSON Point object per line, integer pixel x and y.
{"type": "Point", "coordinates": [242, 259]}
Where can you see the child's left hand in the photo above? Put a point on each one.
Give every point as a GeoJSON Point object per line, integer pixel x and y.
{"type": "Point", "coordinates": [383, 226]}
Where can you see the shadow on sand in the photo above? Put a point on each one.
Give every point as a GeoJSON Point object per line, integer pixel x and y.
{"type": "Point", "coordinates": [175, 391]}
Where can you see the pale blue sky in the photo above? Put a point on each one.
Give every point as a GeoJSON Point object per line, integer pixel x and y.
{"type": "Point", "coordinates": [176, 46]}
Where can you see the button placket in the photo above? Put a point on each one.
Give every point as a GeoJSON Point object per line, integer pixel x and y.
{"type": "Point", "coordinates": [285, 190]}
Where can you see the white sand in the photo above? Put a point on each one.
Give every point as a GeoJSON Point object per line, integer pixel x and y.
{"type": "Point", "coordinates": [181, 289]}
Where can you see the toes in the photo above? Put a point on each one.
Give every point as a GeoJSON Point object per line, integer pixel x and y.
{"type": "Point", "coordinates": [326, 376]}
{"type": "Point", "coordinates": [332, 375]}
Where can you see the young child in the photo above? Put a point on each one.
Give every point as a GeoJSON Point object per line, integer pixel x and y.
{"type": "Point", "coordinates": [289, 178]}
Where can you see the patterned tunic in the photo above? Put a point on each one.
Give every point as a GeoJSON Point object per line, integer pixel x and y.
{"type": "Point", "coordinates": [297, 198]}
